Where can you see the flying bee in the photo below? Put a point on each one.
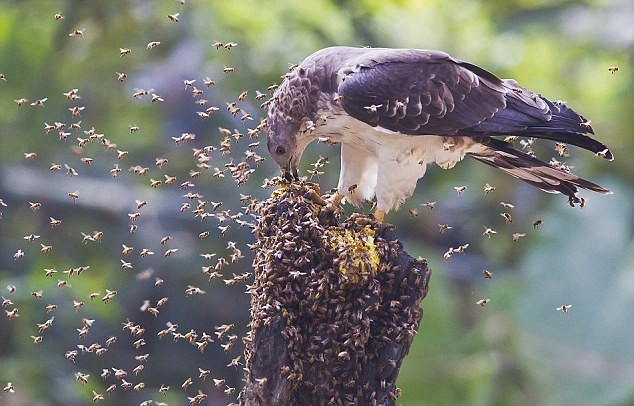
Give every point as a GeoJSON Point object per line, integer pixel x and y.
{"type": "Point", "coordinates": [159, 162]}
{"type": "Point", "coordinates": [170, 251]}
{"type": "Point", "coordinates": [126, 250]}
{"type": "Point", "coordinates": [153, 44]}
{"type": "Point", "coordinates": [77, 33]}
{"type": "Point", "coordinates": [39, 102]}
{"type": "Point", "coordinates": [121, 76]}
{"type": "Point", "coordinates": [21, 101]}
{"type": "Point", "coordinates": [228, 69]}
{"type": "Point", "coordinates": [169, 179]}
{"type": "Point", "coordinates": [72, 94]}
{"type": "Point", "coordinates": [564, 308]}
{"type": "Point", "coordinates": [234, 362]}
{"type": "Point", "coordinates": [70, 171]}
{"type": "Point", "coordinates": [488, 231]}
{"type": "Point", "coordinates": [487, 274]}
{"type": "Point", "coordinates": [483, 302]}
{"type": "Point", "coordinates": [30, 155]}
{"type": "Point", "coordinates": [613, 69]}
{"type": "Point", "coordinates": [75, 111]}
{"type": "Point", "coordinates": [145, 252]}
{"type": "Point", "coordinates": [507, 217]}
{"type": "Point", "coordinates": [537, 223]}
{"type": "Point", "coordinates": [507, 206]}
{"type": "Point", "coordinates": [124, 52]}
{"type": "Point", "coordinates": [259, 95]}
{"type": "Point", "coordinates": [165, 239]}
{"type": "Point", "coordinates": [83, 378]}
{"type": "Point", "coordinates": [488, 188]}
{"type": "Point", "coordinates": [126, 265]}
{"type": "Point", "coordinates": [156, 98]}
{"type": "Point", "coordinates": [517, 236]}
{"type": "Point", "coordinates": [58, 16]}
{"type": "Point", "coordinates": [460, 189]}
{"type": "Point", "coordinates": [46, 248]}
{"type": "Point", "coordinates": [161, 302]}
{"type": "Point", "coordinates": [429, 205]}
{"type": "Point", "coordinates": [230, 45]}
{"type": "Point", "coordinates": [443, 228]}
{"type": "Point", "coordinates": [173, 17]}
{"type": "Point", "coordinates": [562, 149]}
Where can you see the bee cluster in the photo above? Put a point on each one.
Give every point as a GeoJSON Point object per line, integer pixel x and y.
{"type": "Point", "coordinates": [334, 307]}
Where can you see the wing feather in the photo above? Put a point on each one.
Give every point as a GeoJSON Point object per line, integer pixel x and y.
{"type": "Point", "coordinates": [422, 92]}
{"type": "Point", "coordinates": [439, 95]}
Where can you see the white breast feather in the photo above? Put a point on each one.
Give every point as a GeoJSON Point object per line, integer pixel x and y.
{"type": "Point", "coordinates": [378, 161]}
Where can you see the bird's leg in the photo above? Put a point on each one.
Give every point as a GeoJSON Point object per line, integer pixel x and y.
{"type": "Point", "coordinates": [379, 215]}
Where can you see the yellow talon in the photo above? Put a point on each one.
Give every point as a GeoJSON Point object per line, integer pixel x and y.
{"type": "Point", "coordinates": [379, 215]}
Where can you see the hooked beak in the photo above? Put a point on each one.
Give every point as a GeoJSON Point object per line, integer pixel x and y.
{"type": "Point", "coordinates": [289, 173]}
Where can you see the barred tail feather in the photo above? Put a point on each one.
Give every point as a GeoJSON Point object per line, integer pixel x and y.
{"type": "Point", "coordinates": [502, 155]}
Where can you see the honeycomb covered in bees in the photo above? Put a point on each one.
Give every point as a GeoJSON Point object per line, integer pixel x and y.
{"type": "Point", "coordinates": [335, 305]}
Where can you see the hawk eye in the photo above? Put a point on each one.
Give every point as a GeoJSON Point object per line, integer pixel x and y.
{"type": "Point", "coordinates": [280, 150]}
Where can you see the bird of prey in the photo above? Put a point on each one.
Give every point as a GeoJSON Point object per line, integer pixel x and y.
{"type": "Point", "coordinates": [396, 110]}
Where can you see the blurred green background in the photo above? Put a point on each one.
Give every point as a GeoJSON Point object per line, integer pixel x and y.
{"type": "Point", "coordinates": [517, 350]}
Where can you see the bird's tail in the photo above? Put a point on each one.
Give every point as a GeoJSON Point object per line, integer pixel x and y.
{"type": "Point", "coordinates": [502, 155]}
{"type": "Point", "coordinates": [564, 125]}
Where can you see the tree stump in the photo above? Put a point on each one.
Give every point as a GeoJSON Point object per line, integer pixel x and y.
{"type": "Point", "coordinates": [334, 307]}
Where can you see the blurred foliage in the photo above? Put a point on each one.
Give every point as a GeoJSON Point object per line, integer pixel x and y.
{"type": "Point", "coordinates": [515, 350]}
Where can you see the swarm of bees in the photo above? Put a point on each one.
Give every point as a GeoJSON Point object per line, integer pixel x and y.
{"type": "Point", "coordinates": [316, 301]}
{"type": "Point", "coordinates": [149, 323]}
{"type": "Point", "coordinates": [337, 293]}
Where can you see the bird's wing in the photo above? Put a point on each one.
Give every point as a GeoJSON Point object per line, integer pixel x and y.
{"type": "Point", "coordinates": [419, 92]}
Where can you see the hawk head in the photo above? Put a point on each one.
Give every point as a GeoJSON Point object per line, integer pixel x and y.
{"type": "Point", "coordinates": [289, 120]}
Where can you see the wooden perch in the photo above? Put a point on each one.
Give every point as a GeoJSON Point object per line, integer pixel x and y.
{"type": "Point", "coordinates": [334, 307]}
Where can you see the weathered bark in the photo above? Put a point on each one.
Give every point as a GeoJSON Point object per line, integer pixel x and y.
{"type": "Point", "coordinates": [334, 307]}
